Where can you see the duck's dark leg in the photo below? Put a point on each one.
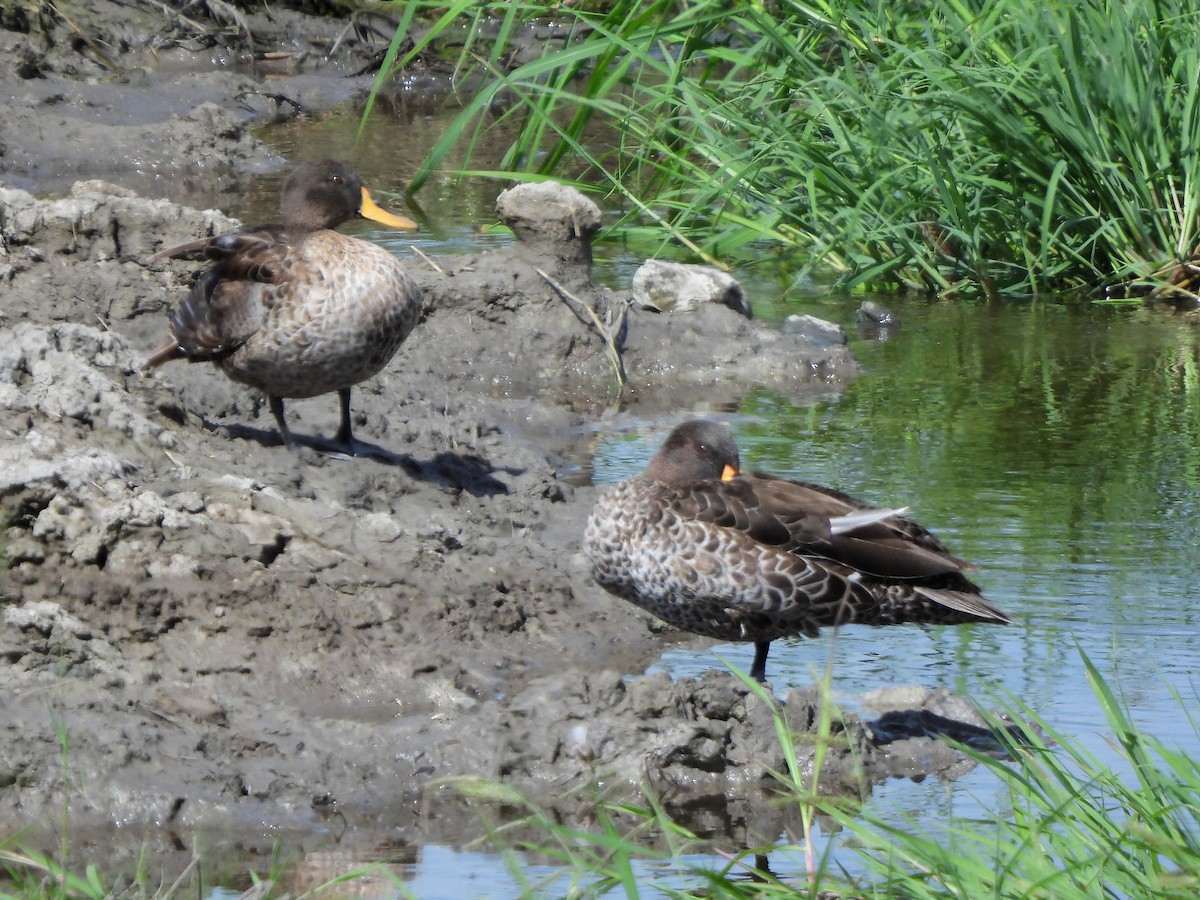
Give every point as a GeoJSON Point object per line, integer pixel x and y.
{"type": "Point", "coordinates": [345, 434]}
{"type": "Point", "coordinates": [758, 671]}
{"type": "Point", "coordinates": [276, 405]}
{"type": "Point", "coordinates": [341, 447]}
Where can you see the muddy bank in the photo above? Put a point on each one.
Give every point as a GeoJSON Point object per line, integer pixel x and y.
{"type": "Point", "coordinates": [228, 634]}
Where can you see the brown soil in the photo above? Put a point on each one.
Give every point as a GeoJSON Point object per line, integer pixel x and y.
{"type": "Point", "coordinates": [201, 629]}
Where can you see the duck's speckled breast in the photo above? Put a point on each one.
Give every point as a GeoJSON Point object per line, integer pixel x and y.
{"type": "Point", "coordinates": [341, 310]}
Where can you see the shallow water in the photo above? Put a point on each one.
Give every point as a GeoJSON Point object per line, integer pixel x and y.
{"type": "Point", "coordinates": [1050, 444]}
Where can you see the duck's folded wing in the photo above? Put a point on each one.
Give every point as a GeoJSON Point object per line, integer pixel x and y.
{"type": "Point", "coordinates": [257, 255]}
{"type": "Point", "coordinates": [778, 513]}
{"type": "Point", "coordinates": [213, 320]}
{"type": "Point", "coordinates": [789, 499]}
{"type": "Point", "coordinates": [868, 541]}
{"type": "Point", "coordinates": [808, 520]}
{"type": "Point", "coordinates": [889, 556]}
{"type": "Point", "coordinates": [852, 522]}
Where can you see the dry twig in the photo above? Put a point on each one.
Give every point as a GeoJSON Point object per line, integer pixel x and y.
{"type": "Point", "coordinates": [428, 259]}
{"type": "Point", "coordinates": [611, 329]}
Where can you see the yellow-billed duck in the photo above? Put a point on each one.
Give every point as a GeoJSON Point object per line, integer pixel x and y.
{"type": "Point", "coordinates": [742, 557]}
{"type": "Point", "coordinates": [296, 309]}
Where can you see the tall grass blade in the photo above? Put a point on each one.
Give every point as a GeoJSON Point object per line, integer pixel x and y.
{"type": "Point", "coordinates": [954, 145]}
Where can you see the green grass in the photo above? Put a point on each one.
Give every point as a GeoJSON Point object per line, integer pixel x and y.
{"type": "Point", "coordinates": [949, 145]}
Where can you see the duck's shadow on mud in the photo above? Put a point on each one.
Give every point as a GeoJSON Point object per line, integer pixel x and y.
{"type": "Point", "coordinates": [467, 472]}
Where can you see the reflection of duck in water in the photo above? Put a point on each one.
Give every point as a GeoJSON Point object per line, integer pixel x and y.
{"type": "Point", "coordinates": [754, 558]}
{"type": "Point", "coordinates": [298, 310]}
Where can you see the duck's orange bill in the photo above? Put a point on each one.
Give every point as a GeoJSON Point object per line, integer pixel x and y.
{"type": "Point", "coordinates": [370, 210]}
{"type": "Point", "coordinates": [729, 473]}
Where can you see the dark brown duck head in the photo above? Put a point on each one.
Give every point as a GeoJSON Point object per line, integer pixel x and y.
{"type": "Point", "coordinates": [326, 193]}
{"type": "Point", "coordinates": [695, 451]}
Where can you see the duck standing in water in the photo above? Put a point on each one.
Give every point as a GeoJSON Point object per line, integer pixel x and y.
{"type": "Point", "coordinates": [754, 558]}
{"type": "Point", "coordinates": [298, 310]}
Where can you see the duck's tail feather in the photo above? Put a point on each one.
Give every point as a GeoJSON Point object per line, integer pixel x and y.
{"type": "Point", "coordinates": [167, 351]}
{"type": "Point", "coordinates": [973, 607]}
{"type": "Point", "coordinates": [191, 248]}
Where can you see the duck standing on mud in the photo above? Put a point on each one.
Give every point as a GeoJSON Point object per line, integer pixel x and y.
{"type": "Point", "coordinates": [754, 558]}
{"type": "Point", "coordinates": [298, 310]}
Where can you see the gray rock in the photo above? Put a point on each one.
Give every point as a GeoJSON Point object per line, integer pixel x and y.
{"type": "Point", "coordinates": [676, 286]}
{"type": "Point", "coordinates": [98, 222]}
{"type": "Point", "coordinates": [551, 221]}
{"type": "Point", "coordinates": [873, 313]}
{"type": "Point", "coordinates": [818, 332]}
{"type": "Point", "coordinates": [876, 322]}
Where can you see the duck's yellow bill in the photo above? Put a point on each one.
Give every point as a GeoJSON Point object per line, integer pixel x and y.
{"type": "Point", "coordinates": [371, 210]}
{"type": "Point", "coordinates": [729, 473]}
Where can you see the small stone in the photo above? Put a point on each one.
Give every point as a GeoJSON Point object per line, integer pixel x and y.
{"type": "Point", "coordinates": [381, 526]}
{"type": "Point", "coordinates": [818, 332]}
{"type": "Point", "coordinates": [871, 312]}
{"type": "Point", "coordinates": [578, 743]}
{"type": "Point", "coordinates": [675, 286]}
{"type": "Point", "coordinates": [98, 186]}
{"type": "Point", "coordinates": [177, 565]}
{"type": "Point", "coordinates": [186, 501]}
{"type": "Point", "coordinates": [876, 322]}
